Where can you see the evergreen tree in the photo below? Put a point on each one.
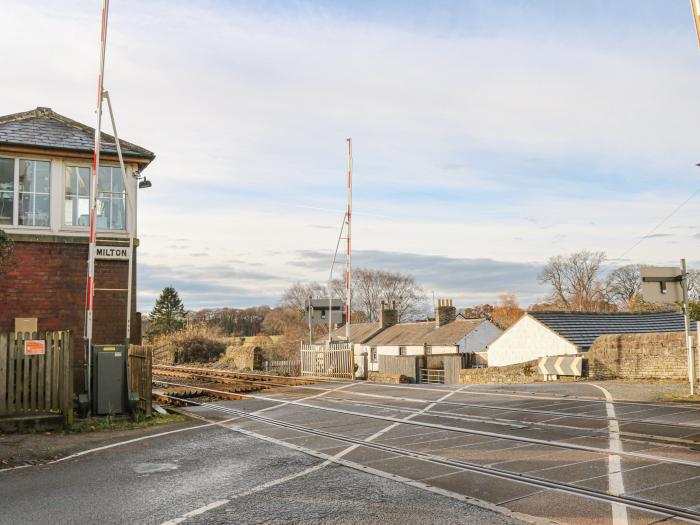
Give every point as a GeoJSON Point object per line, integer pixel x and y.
{"type": "Point", "coordinates": [168, 314]}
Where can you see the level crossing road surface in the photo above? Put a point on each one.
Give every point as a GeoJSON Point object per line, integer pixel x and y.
{"type": "Point", "coordinates": [369, 453]}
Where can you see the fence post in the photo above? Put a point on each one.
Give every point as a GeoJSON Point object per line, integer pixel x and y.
{"type": "Point", "coordinates": [4, 351]}
{"type": "Point", "coordinates": [67, 377]}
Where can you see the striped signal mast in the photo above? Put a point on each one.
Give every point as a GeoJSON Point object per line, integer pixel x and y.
{"type": "Point", "coordinates": [695, 6]}
{"type": "Point", "coordinates": [90, 289]}
{"type": "Point", "coordinates": [348, 258]}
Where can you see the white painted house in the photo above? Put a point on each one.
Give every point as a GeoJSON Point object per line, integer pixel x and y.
{"type": "Point", "coordinates": [445, 335]}
{"type": "Point", "coordinates": [543, 334]}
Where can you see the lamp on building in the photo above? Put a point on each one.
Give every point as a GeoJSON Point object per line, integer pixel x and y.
{"type": "Point", "coordinates": [144, 183]}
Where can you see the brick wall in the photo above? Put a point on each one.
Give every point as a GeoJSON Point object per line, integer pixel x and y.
{"type": "Point", "coordinates": [518, 373]}
{"type": "Point", "coordinates": [47, 280]}
{"type": "Point", "coordinates": [639, 356]}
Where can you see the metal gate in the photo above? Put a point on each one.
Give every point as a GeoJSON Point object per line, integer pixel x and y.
{"type": "Point", "coordinates": [334, 360]}
{"type": "Point", "coordinates": [432, 375]}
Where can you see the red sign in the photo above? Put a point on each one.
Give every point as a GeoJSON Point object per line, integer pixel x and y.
{"type": "Point", "coordinates": [34, 347]}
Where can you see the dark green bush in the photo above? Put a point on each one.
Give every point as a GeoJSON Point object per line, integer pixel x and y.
{"type": "Point", "coordinates": [198, 348]}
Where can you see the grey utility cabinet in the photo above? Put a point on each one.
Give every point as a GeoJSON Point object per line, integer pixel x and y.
{"type": "Point", "coordinates": [109, 379]}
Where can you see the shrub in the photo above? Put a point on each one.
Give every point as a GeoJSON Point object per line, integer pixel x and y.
{"type": "Point", "coordinates": [198, 348]}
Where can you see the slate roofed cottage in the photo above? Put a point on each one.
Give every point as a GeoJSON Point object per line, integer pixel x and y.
{"type": "Point", "coordinates": [542, 334]}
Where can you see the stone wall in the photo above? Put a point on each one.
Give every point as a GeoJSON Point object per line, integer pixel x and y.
{"type": "Point", "coordinates": [639, 356]}
{"type": "Point", "coordinates": [241, 357]}
{"type": "Point", "coordinates": [378, 377]}
{"type": "Point", "coordinates": [518, 373]}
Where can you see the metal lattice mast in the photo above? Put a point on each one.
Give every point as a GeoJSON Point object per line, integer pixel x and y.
{"type": "Point", "coordinates": [348, 260]}
{"type": "Point", "coordinates": [90, 288]}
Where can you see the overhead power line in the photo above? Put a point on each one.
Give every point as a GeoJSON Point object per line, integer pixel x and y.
{"type": "Point", "coordinates": [661, 223]}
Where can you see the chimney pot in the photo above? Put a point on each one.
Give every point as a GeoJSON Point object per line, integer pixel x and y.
{"type": "Point", "coordinates": [445, 312]}
{"type": "Point", "coordinates": [388, 316]}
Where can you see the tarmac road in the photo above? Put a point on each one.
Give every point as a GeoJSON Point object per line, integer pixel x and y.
{"type": "Point", "coordinates": [319, 458]}
{"type": "Point", "coordinates": [159, 479]}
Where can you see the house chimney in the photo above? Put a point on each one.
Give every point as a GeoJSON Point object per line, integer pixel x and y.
{"type": "Point", "coordinates": [444, 312]}
{"type": "Point", "coordinates": [389, 315]}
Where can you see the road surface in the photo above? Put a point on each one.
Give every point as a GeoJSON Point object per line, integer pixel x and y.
{"type": "Point", "coordinates": [367, 453]}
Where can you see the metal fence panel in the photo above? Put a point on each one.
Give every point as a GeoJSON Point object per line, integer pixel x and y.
{"type": "Point", "coordinates": [335, 360]}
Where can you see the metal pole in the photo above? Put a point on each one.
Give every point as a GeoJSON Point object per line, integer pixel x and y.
{"type": "Point", "coordinates": [330, 275]}
{"type": "Point", "coordinates": [132, 214]}
{"type": "Point", "coordinates": [348, 260]}
{"type": "Point", "coordinates": [330, 311]}
{"type": "Point", "coordinates": [90, 288]}
{"type": "Point", "coordinates": [310, 309]}
{"type": "Point", "coordinates": [688, 338]}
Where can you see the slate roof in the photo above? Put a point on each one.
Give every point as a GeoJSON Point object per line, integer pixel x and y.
{"type": "Point", "coordinates": [452, 333]}
{"type": "Point", "coordinates": [582, 328]}
{"type": "Point", "coordinates": [414, 334]}
{"type": "Point", "coordinates": [359, 332]}
{"type": "Point", "coordinates": [46, 129]}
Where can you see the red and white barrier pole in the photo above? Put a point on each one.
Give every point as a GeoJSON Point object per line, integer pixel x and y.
{"type": "Point", "coordinates": [348, 260]}
{"type": "Point", "coordinates": [90, 289]}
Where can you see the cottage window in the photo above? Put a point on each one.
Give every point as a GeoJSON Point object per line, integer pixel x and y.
{"type": "Point", "coordinates": [402, 350]}
{"type": "Point", "coordinates": [34, 192]}
{"type": "Point", "coordinates": [7, 190]}
{"type": "Point", "coordinates": [110, 212]}
{"type": "Point", "coordinates": [428, 350]}
{"type": "Point", "coordinates": [373, 354]}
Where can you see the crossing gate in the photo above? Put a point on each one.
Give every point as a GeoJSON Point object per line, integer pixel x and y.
{"type": "Point", "coordinates": [552, 367]}
{"type": "Point", "coordinates": [334, 361]}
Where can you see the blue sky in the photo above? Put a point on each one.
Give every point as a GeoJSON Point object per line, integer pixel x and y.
{"type": "Point", "coordinates": [489, 136]}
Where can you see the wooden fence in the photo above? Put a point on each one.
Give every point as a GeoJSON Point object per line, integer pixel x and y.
{"type": "Point", "coordinates": [36, 383]}
{"type": "Point", "coordinates": [140, 375]}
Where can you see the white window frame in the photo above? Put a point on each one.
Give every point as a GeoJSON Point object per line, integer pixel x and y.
{"type": "Point", "coordinates": [15, 176]}
{"type": "Point", "coordinates": [15, 192]}
{"type": "Point", "coordinates": [373, 357]}
{"type": "Point", "coordinates": [67, 163]}
{"type": "Point", "coordinates": [402, 350]}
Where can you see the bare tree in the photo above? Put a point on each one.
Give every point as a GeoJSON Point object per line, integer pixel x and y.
{"type": "Point", "coordinates": [623, 286]}
{"type": "Point", "coordinates": [371, 287]}
{"type": "Point", "coordinates": [575, 280]}
{"type": "Point", "coordinates": [298, 294]}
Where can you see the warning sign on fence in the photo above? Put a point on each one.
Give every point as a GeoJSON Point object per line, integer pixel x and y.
{"type": "Point", "coordinates": [34, 347]}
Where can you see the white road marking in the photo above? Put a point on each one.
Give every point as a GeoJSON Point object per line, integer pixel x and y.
{"type": "Point", "coordinates": [117, 444]}
{"type": "Point", "coordinates": [284, 479]}
{"type": "Point", "coordinates": [394, 425]}
{"type": "Point", "coordinates": [195, 512]}
{"type": "Point", "coordinates": [393, 477]}
{"type": "Point", "coordinates": [616, 485]}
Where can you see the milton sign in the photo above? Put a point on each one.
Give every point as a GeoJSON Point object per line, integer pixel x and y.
{"type": "Point", "coordinates": [112, 253]}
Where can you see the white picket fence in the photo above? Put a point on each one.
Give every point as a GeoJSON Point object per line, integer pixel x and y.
{"type": "Point", "coordinates": [334, 361]}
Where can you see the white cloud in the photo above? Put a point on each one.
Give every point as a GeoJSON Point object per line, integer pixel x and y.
{"type": "Point", "coordinates": [506, 145]}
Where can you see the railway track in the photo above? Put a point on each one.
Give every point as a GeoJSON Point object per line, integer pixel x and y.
{"type": "Point", "coordinates": [663, 510]}
{"type": "Point", "coordinates": [240, 383]}
{"type": "Point", "coordinates": [207, 382]}
{"type": "Point", "coordinates": [464, 430]}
